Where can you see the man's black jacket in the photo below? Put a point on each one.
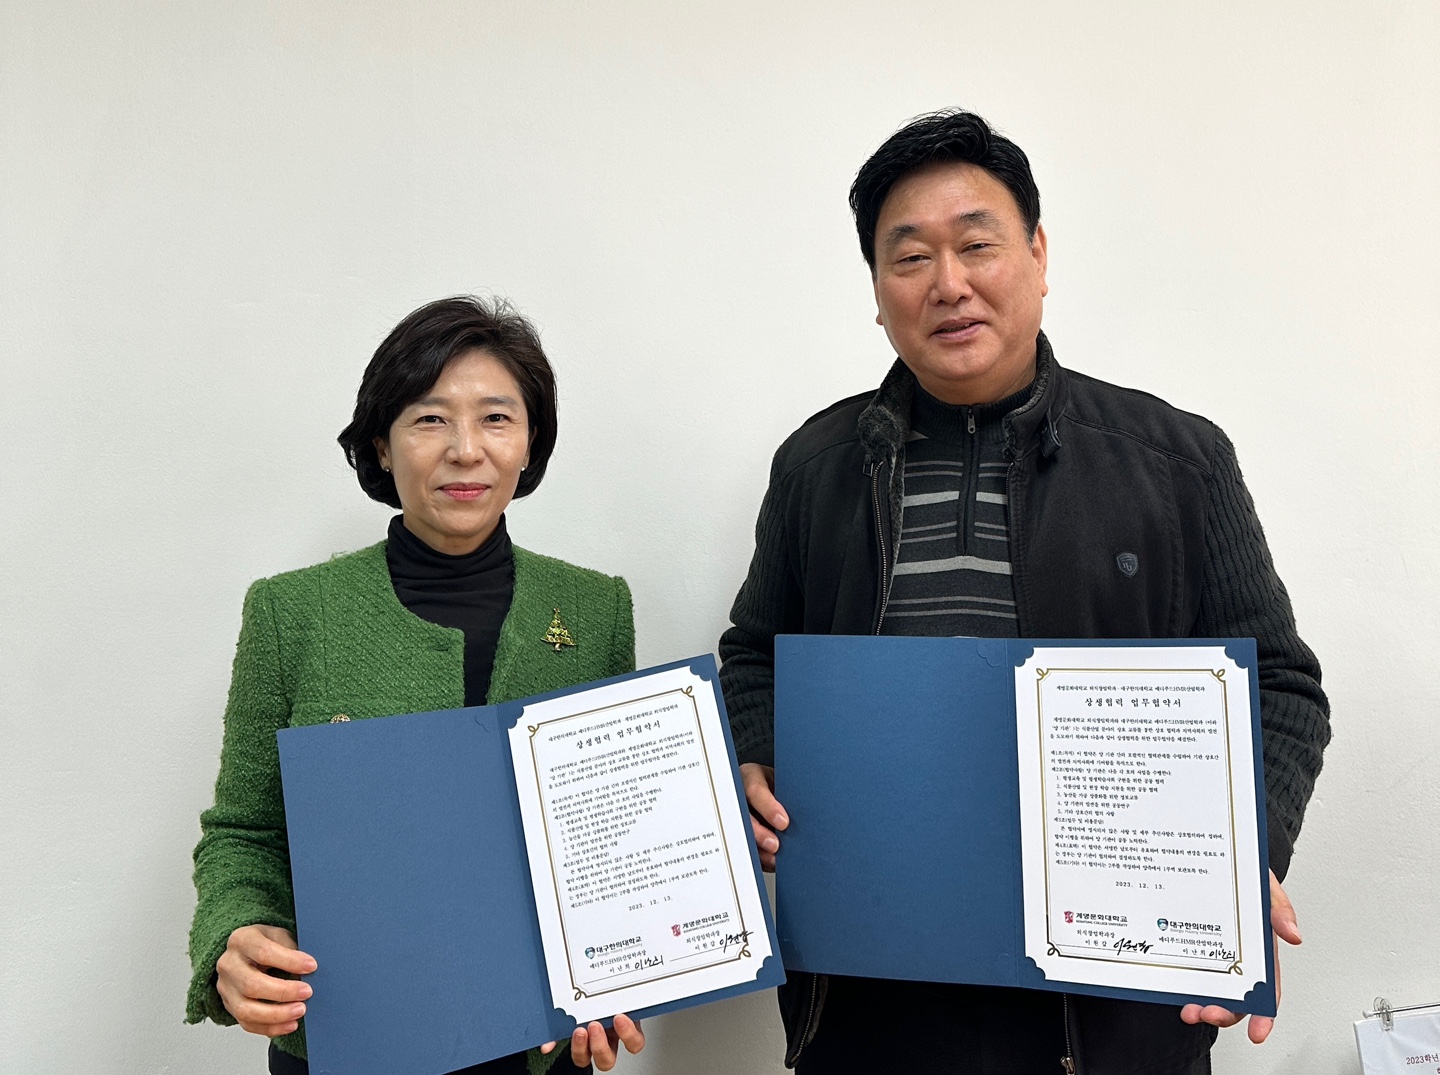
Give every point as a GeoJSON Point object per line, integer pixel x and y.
{"type": "Point", "coordinates": [1095, 471]}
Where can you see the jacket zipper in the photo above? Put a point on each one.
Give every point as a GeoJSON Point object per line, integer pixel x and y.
{"type": "Point", "coordinates": [809, 1021]}
{"type": "Point", "coordinates": [884, 553]}
{"type": "Point", "coordinates": [1067, 1062]}
{"type": "Point", "coordinates": [972, 485]}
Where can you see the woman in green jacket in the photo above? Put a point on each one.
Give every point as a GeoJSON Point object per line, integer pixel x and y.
{"type": "Point", "coordinates": [454, 418]}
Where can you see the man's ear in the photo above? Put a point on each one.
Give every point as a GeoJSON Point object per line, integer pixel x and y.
{"type": "Point", "coordinates": [1039, 251]}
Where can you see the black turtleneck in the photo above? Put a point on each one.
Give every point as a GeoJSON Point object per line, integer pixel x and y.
{"type": "Point", "coordinates": [470, 592]}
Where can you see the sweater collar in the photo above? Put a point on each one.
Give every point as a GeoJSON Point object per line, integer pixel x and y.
{"type": "Point", "coordinates": [412, 560]}
{"type": "Point", "coordinates": [884, 424]}
{"type": "Point", "coordinates": [955, 421]}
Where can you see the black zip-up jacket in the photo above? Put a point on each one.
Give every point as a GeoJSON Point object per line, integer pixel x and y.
{"type": "Point", "coordinates": [1094, 471]}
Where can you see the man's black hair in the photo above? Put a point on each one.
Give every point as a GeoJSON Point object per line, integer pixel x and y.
{"type": "Point", "coordinates": [951, 134]}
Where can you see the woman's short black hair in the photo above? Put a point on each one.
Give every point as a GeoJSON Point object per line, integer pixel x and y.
{"type": "Point", "coordinates": [951, 134]}
{"type": "Point", "coordinates": [411, 360]}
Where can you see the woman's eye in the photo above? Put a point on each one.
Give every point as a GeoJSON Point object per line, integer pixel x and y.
{"type": "Point", "coordinates": [497, 417]}
{"type": "Point", "coordinates": [429, 419]}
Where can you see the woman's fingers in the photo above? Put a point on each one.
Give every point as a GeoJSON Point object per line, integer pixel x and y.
{"type": "Point", "coordinates": [254, 997]}
{"type": "Point", "coordinates": [266, 1017]}
{"type": "Point", "coordinates": [262, 1002]}
{"type": "Point", "coordinates": [267, 1029]}
{"type": "Point", "coordinates": [271, 946]}
{"type": "Point", "coordinates": [249, 981]}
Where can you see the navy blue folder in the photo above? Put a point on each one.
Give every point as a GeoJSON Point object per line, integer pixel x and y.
{"type": "Point", "coordinates": [413, 892]}
{"type": "Point", "coordinates": [897, 763]}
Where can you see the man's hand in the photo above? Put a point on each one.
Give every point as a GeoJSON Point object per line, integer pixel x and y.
{"type": "Point", "coordinates": [759, 781]}
{"type": "Point", "coordinates": [595, 1043]}
{"type": "Point", "coordinates": [261, 1002]}
{"type": "Point", "coordinates": [1282, 921]}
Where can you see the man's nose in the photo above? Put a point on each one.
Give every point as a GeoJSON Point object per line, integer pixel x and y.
{"type": "Point", "coordinates": [951, 282]}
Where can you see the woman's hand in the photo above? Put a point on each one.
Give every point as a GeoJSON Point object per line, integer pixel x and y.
{"type": "Point", "coordinates": [595, 1043]}
{"type": "Point", "coordinates": [261, 1002]}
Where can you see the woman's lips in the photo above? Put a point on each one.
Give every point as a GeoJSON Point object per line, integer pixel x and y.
{"type": "Point", "coordinates": [463, 490]}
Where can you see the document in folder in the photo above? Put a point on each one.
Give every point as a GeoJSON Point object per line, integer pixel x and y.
{"type": "Point", "coordinates": [475, 882]}
{"type": "Point", "coordinates": [1085, 816]}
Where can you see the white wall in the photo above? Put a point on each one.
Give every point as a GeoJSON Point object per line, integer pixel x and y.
{"type": "Point", "coordinates": [211, 213]}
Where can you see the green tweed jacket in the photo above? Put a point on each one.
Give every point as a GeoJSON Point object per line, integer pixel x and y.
{"type": "Point", "coordinates": [334, 640]}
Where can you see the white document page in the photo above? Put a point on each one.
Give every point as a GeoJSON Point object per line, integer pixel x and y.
{"type": "Point", "coordinates": [1410, 1046]}
{"type": "Point", "coordinates": [643, 880]}
{"type": "Point", "coordinates": [1138, 823]}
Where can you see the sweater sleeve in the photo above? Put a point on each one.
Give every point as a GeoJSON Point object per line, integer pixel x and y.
{"type": "Point", "coordinates": [242, 862]}
{"type": "Point", "coordinates": [1243, 597]}
{"type": "Point", "coordinates": [770, 602]}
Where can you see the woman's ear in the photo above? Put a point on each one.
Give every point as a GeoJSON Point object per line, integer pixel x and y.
{"type": "Point", "coordinates": [382, 449]}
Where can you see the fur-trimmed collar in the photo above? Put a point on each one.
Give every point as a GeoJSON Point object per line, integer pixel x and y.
{"type": "Point", "coordinates": [884, 424]}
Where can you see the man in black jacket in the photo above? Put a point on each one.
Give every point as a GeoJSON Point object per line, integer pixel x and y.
{"type": "Point", "coordinates": [983, 490]}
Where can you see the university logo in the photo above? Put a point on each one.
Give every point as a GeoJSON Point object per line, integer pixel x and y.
{"type": "Point", "coordinates": [1163, 923]}
{"type": "Point", "coordinates": [1069, 917]}
{"type": "Point", "coordinates": [589, 953]}
{"type": "Point", "coordinates": [675, 930]}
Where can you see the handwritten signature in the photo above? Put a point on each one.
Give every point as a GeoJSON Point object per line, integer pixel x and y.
{"type": "Point", "coordinates": [734, 938]}
{"type": "Point", "coordinates": [1125, 944]}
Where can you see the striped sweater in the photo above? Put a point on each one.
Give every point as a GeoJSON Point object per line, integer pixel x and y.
{"type": "Point", "coordinates": [952, 568]}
